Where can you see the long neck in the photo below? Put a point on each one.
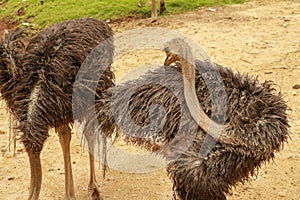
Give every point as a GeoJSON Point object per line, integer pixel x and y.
{"type": "Point", "coordinates": [208, 125]}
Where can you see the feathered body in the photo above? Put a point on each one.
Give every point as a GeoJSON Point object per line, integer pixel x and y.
{"type": "Point", "coordinates": [39, 93]}
{"type": "Point", "coordinates": [152, 113]}
{"type": "Point", "coordinates": [36, 81]}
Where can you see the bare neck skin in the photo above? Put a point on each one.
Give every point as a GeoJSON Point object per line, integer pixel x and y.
{"type": "Point", "coordinates": [188, 71]}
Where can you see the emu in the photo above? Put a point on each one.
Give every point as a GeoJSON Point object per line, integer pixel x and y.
{"type": "Point", "coordinates": [36, 81]}
{"type": "Point", "coordinates": [152, 113]}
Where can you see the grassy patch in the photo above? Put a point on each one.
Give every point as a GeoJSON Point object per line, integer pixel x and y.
{"type": "Point", "coordinates": [45, 12]}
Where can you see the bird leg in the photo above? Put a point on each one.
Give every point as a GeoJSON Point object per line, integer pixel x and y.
{"type": "Point", "coordinates": [93, 188]}
{"type": "Point", "coordinates": [36, 174]}
{"type": "Point", "coordinates": [90, 136]}
{"type": "Point", "coordinates": [64, 134]}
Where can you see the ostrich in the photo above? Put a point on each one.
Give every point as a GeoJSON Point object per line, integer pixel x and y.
{"type": "Point", "coordinates": [36, 82]}
{"type": "Point", "coordinates": [152, 112]}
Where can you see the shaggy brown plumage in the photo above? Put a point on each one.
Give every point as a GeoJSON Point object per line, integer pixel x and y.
{"type": "Point", "coordinates": [152, 113]}
{"type": "Point", "coordinates": [37, 83]}
{"type": "Point", "coordinates": [11, 50]}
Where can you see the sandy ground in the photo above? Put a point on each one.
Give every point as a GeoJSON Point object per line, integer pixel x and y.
{"type": "Point", "coordinates": [259, 37]}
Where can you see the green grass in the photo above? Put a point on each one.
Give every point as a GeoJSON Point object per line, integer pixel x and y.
{"type": "Point", "coordinates": [51, 11]}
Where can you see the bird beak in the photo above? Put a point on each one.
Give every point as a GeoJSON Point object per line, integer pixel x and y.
{"type": "Point", "coordinates": [167, 61]}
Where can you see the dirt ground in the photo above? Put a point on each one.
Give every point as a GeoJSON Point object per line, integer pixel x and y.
{"type": "Point", "coordinates": [259, 37]}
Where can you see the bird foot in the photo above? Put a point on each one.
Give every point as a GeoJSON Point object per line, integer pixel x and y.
{"type": "Point", "coordinates": [94, 192]}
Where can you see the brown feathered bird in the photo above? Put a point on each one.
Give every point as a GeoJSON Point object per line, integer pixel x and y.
{"type": "Point", "coordinates": [36, 81]}
{"type": "Point", "coordinates": [152, 112]}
